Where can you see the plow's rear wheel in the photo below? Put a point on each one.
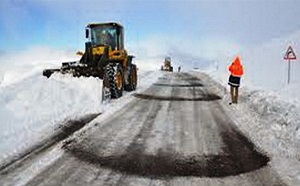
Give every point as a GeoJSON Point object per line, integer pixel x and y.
{"type": "Point", "coordinates": [132, 79]}
{"type": "Point", "coordinates": [116, 80]}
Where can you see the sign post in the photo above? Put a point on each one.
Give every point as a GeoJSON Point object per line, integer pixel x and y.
{"type": "Point", "coordinates": [289, 71]}
{"type": "Point", "coordinates": [289, 55]}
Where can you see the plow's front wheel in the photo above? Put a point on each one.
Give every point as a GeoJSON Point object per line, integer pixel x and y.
{"type": "Point", "coordinates": [116, 80]}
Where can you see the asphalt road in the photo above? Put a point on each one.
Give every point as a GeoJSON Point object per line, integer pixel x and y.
{"type": "Point", "coordinates": [178, 132]}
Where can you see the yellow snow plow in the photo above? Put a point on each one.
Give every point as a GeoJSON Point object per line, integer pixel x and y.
{"type": "Point", "coordinates": [167, 65]}
{"type": "Point", "coordinates": [105, 57]}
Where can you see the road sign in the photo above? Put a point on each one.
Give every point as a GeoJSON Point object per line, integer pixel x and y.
{"type": "Point", "coordinates": [290, 54]}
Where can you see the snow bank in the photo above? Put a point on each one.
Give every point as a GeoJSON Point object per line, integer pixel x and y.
{"type": "Point", "coordinates": [32, 108]}
{"type": "Point", "coordinates": [273, 125]}
{"type": "Point", "coordinates": [280, 120]}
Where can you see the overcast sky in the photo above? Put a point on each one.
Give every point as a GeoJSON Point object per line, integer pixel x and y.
{"type": "Point", "coordinates": [60, 23]}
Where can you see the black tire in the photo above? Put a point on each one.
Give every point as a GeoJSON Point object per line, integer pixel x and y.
{"type": "Point", "coordinates": [132, 79]}
{"type": "Point", "coordinates": [106, 84]}
{"type": "Point", "coordinates": [116, 80]}
{"type": "Point", "coordinates": [171, 69]}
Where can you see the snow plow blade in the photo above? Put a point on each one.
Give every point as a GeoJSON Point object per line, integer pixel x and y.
{"type": "Point", "coordinates": [49, 72]}
{"type": "Point", "coordinates": [67, 67]}
{"type": "Point", "coordinates": [77, 69]}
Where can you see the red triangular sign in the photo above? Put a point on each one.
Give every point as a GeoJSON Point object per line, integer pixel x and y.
{"type": "Point", "coordinates": [290, 54]}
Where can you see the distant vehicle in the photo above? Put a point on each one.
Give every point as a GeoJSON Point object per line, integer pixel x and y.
{"type": "Point", "coordinates": [167, 65]}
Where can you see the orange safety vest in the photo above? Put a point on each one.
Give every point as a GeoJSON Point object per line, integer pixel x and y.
{"type": "Point", "coordinates": [236, 68]}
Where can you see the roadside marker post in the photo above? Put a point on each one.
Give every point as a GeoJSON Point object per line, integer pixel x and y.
{"type": "Point", "coordinates": [289, 55]}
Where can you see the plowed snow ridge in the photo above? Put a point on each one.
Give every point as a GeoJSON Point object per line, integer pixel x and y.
{"type": "Point", "coordinates": [31, 109]}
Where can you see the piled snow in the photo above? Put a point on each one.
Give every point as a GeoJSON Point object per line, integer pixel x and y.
{"type": "Point", "coordinates": [273, 125]}
{"type": "Point", "coordinates": [32, 108]}
{"type": "Point", "coordinates": [280, 120]}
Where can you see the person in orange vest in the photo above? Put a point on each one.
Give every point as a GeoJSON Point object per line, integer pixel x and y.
{"type": "Point", "coordinates": [236, 72]}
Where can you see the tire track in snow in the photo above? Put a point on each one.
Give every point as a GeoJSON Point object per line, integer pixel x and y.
{"type": "Point", "coordinates": [62, 132]}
